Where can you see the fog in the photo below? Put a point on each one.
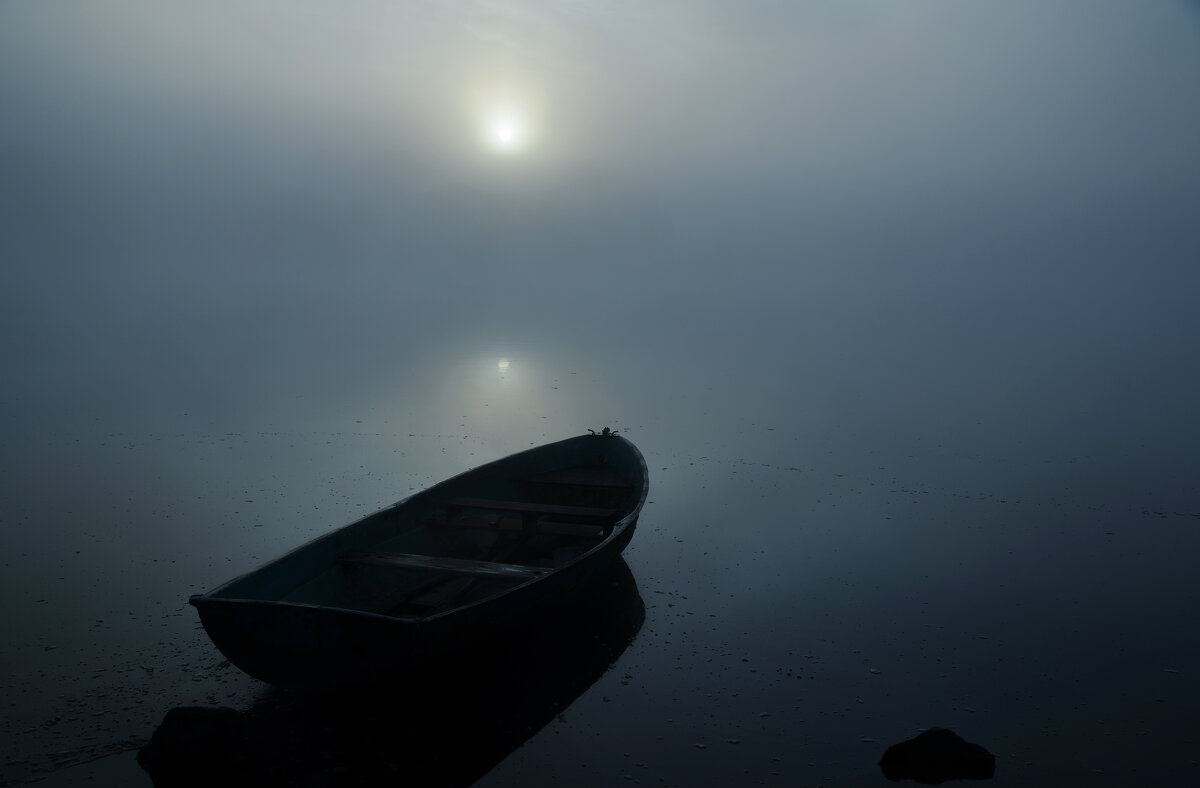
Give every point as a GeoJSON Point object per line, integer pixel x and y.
{"type": "Point", "coordinates": [284, 247]}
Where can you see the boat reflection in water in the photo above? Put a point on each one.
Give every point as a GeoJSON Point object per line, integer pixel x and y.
{"type": "Point", "coordinates": [445, 724]}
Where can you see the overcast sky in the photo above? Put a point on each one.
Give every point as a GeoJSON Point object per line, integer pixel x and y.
{"type": "Point", "coordinates": [220, 205]}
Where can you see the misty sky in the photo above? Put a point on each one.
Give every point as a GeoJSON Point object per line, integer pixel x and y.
{"type": "Point", "coordinates": [217, 208]}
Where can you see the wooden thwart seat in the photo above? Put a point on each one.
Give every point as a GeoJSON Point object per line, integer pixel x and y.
{"type": "Point", "coordinates": [530, 511]}
{"type": "Point", "coordinates": [517, 525]}
{"type": "Point", "coordinates": [461, 566]}
{"type": "Point", "coordinates": [586, 530]}
{"type": "Point", "coordinates": [593, 476]}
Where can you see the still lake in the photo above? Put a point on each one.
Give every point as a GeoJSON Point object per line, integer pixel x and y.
{"type": "Point", "coordinates": [813, 592]}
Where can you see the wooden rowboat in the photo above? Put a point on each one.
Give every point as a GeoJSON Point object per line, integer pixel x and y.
{"type": "Point", "coordinates": [430, 575]}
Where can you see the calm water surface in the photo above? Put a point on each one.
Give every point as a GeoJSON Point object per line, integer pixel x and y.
{"type": "Point", "coordinates": [811, 598]}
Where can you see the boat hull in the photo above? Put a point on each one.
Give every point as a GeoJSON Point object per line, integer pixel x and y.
{"type": "Point", "coordinates": [284, 639]}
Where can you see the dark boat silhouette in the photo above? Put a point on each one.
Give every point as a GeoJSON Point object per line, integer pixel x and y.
{"type": "Point", "coordinates": [422, 579]}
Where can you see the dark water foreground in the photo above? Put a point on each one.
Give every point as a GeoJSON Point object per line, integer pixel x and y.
{"type": "Point", "coordinates": [443, 725]}
{"type": "Point", "coordinates": [806, 607]}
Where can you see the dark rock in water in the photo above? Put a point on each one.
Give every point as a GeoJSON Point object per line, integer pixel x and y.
{"type": "Point", "coordinates": [194, 745]}
{"type": "Point", "coordinates": [935, 756]}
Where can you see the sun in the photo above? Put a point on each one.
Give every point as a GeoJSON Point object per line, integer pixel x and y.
{"type": "Point", "coordinates": [506, 131]}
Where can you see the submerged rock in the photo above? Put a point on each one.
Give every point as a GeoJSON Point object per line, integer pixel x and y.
{"type": "Point", "coordinates": [935, 756]}
{"type": "Point", "coordinates": [195, 746]}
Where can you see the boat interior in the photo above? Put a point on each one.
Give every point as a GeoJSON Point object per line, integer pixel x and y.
{"type": "Point", "coordinates": [458, 550]}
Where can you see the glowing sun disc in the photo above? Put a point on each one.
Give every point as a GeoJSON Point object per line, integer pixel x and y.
{"type": "Point", "coordinates": [505, 132]}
